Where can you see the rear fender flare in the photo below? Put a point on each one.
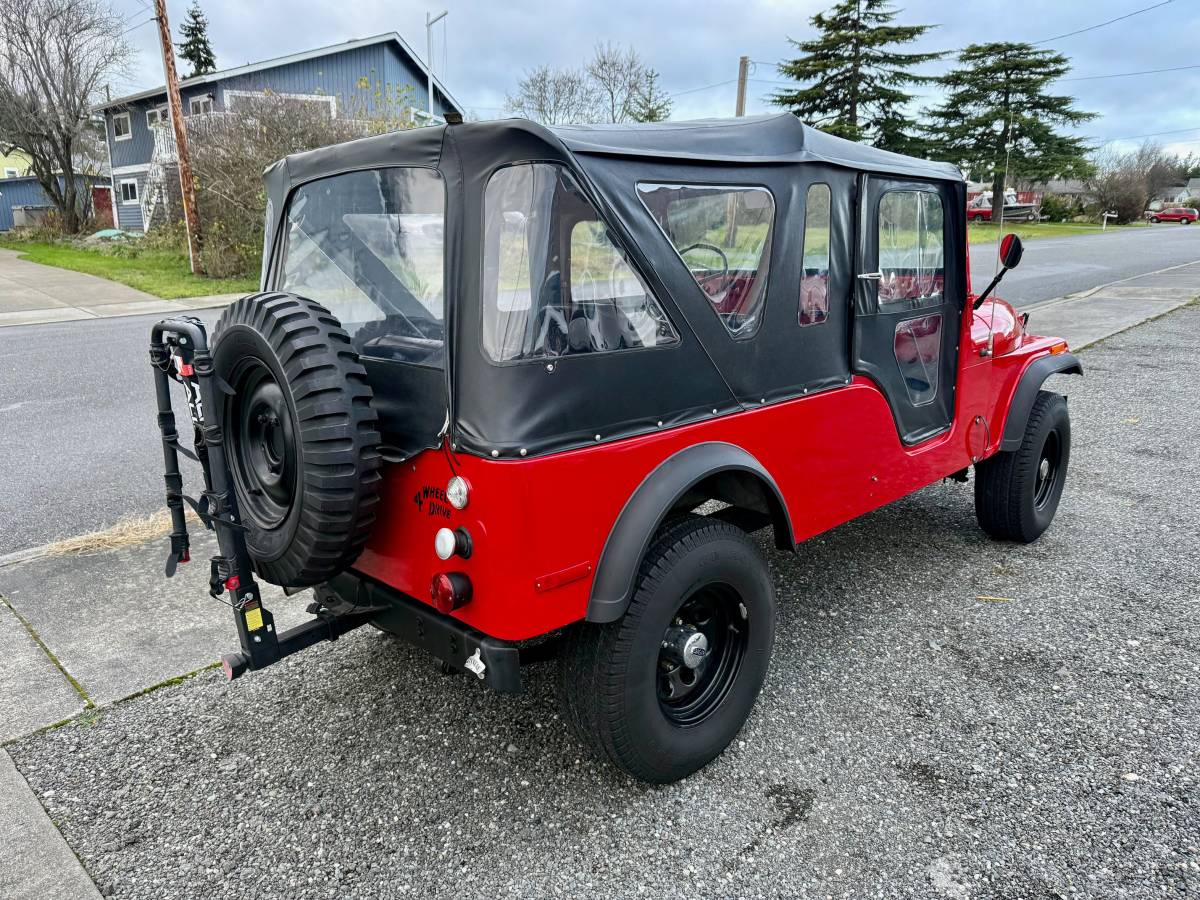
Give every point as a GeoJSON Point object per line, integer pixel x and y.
{"type": "Point", "coordinates": [649, 506]}
{"type": "Point", "coordinates": [1031, 382]}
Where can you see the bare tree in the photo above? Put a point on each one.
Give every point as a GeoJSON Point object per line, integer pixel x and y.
{"type": "Point", "coordinates": [54, 56]}
{"type": "Point", "coordinates": [618, 75]}
{"type": "Point", "coordinates": [1125, 183]}
{"type": "Point", "coordinates": [555, 96]}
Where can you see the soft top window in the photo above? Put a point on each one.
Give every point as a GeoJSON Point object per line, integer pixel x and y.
{"type": "Point", "coordinates": [723, 235]}
{"type": "Point", "coordinates": [555, 281]}
{"type": "Point", "coordinates": [911, 262]}
{"type": "Point", "coordinates": [369, 245]}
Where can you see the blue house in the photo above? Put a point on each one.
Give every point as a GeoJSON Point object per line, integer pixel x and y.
{"type": "Point", "coordinates": [24, 201]}
{"type": "Point", "coordinates": [339, 76]}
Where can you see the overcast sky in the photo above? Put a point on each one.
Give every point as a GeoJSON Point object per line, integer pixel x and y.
{"type": "Point", "coordinates": [481, 48]}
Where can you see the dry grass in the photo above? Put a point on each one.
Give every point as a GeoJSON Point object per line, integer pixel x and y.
{"type": "Point", "coordinates": [125, 533]}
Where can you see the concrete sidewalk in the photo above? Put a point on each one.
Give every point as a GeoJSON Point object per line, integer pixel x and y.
{"type": "Point", "coordinates": [79, 633]}
{"type": "Point", "coordinates": [33, 294]}
{"type": "Point", "coordinates": [1103, 311]}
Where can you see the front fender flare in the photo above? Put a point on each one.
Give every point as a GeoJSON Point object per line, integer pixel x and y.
{"type": "Point", "coordinates": [1031, 382]}
{"type": "Point", "coordinates": [645, 511]}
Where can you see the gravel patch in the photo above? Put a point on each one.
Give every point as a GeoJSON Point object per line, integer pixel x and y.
{"type": "Point", "coordinates": [945, 717]}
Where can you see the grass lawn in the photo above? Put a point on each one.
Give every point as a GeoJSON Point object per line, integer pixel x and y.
{"type": "Point", "coordinates": [988, 233]}
{"type": "Point", "coordinates": [162, 274]}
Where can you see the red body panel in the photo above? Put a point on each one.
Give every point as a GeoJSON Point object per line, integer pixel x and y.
{"type": "Point", "coordinates": [539, 525]}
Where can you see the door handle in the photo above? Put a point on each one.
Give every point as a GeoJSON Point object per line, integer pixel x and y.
{"type": "Point", "coordinates": [871, 276]}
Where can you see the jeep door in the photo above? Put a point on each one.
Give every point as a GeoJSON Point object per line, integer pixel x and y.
{"type": "Point", "coordinates": [908, 295]}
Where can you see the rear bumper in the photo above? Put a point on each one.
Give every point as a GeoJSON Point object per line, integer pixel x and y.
{"type": "Point", "coordinates": [445, 637]}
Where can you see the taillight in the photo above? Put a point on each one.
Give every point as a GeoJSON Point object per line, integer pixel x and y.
{"type": "Point", "coordinates": [449, 591]}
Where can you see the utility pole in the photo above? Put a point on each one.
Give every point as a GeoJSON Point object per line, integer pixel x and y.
{"type": "Point", "coordinates": [187, 185]}
{"type": "Point", "coordinates": [430, 21]}
{"type": "Point", "coordinates": [743, 73]}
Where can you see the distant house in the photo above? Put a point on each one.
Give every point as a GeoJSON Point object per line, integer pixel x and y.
{"type": "Point", "coordinates": [14, 165]}
{"type": "Point", "coordinates": [24, 202]}
{"type": "Point", "coordinates": [1171, 195]}
{"type": "Point", "coordinates": [329, 76]}
{"type": "Point", "coordinates": [1193, 188]}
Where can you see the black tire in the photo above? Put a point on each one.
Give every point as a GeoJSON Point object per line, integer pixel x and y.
{"type": "Point", "coordinates": [615, 691]}
{"type": "Point", "coordinates": [1155, 219]}
{"type": "Point", "coordinates": [1017, 492]}
{"type": "Point", "coordinates": [300, 436]}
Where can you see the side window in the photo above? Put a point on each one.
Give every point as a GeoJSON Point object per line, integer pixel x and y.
{"type": "Point", "coordinates": [369, 245]}
{"type": "Point", "coordinates": [723, 236]}
{"type": "Point", "coordinates": [814, 283]}
{"type": "Point", "coordinates": [918, 346]}
{"type": "Point", "coordinates": [911, 234]}
{"type": "Point", "coordinates": [554, 280]}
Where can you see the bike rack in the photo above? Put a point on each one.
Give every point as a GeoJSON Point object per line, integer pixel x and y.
{"type": "Point", "coordinates": [179, 352]}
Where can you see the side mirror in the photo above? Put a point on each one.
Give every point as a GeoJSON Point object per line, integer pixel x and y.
{"type": "Point", "coordinates": [1011, 251]}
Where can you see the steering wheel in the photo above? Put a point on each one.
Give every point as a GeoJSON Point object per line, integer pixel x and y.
{"type": "Point", "coordinates": [553, 341]}
{"type": "Point", "coordinates": [711, 276]}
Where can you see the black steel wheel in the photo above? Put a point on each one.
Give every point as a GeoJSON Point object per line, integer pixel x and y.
{"type": "Point", "coordinates": [300, 436]}
{"type": "Point", "coordinates": [1017, 492]}
{"type": "Point", "coordinates": [662, 691]}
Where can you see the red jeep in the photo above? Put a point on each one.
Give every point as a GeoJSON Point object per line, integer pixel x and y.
{"type": "Point", "coordinates": [1182, 214]}
{"type": "Point", "coordinates": [499, 374]}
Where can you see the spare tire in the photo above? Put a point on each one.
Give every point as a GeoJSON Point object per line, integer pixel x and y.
{"type": "Point", "coordinates": [300, 436]}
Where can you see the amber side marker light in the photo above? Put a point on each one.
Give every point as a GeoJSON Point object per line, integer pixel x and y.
{"type": "Point", "coordinates": [1060, 347]}
{"type": "Point", "coordinates": [449, 591]}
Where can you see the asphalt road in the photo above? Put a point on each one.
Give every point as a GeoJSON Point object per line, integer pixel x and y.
{"type": "Point", "coordinates": [78, 439]}
{"type": "Point", "coordinates": [1055, 267]}
{"type": "Point", "coordinates": [945, 717]}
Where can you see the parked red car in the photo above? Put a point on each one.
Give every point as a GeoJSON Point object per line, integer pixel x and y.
{"type": "Point", "coordinates": [1184, 215]}
{"type": "Point", "coordinates": [498, 372]}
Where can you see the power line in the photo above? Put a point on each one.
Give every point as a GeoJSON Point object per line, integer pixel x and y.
{"type": "Point", "coordinates": [1128, 74]}
{"type": "Point", "coordinates": [1136, 12]}
{"type": "Point", "coordinates": [140, 24]}
{"type": "Point", "coordinates": [703, 88]}
{"type": "Point", "coordinates": [1134, 137]}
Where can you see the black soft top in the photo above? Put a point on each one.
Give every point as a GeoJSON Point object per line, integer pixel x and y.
{"type": "Point", "coordinates": [754, 139]}
{"type": "Point", "coordinates": [514, 409]}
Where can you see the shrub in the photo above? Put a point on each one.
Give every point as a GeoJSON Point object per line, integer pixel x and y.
{"type": "Point", "coordinates": [1059, 209]}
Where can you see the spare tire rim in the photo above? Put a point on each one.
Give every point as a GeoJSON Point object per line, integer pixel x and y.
{"type": "Point", "coordinates": [263, 445]}
{"type": "Point", "coordinates": [701, 654]}
{"type": "Point", "coordinates": [1047, 470]}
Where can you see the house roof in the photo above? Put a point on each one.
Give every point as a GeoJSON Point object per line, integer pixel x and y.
{"type": "Point", "coordinates": [1193, 187]}
{"type": "Point", "coordinates": [278, 61]}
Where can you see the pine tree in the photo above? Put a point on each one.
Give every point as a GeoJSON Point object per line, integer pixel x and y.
{"type": "Point", "coordinates": [651, 103]}
{"type": "Point", "coordinates": [997, 108]}
{"type": "Point", "coordinates": [855, 75]}
{"type": "Point", "coordinates": [195, 47]}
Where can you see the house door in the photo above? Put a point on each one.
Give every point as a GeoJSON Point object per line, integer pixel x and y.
{"type": "Point", "coordinates": [906, 319]}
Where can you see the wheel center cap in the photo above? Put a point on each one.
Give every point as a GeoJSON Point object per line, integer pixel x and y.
{"type": "Point", "coordinates": [687, 645]}
{"type": "Point", "coordinates": [1044, 470]}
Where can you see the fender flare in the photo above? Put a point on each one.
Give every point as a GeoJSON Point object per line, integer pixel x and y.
{"type": "Point", "coordinates": [644, 512]}
{"type": "Point", "coordinates": [1031, 382]}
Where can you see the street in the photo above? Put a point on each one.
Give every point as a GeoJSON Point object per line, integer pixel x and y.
{"type": "Point", "coordinates": [1056, 267]}
{"type": "Point", "coordinates": [945, 716]}
{"type": "Point", "coordinates": [77, 406]}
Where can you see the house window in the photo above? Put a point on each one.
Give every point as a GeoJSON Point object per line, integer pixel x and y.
{"type": "Point", "coordinates": [122, 129]}
{"type": "Point", "coordinates": [156, 116]}
{"type": "Point", "coordinates": [11, 173]}
{"type": "Point", "coordinates": [199, 106]}
{"type": "Point", "coordinates": [129, 190]}
{"type": "Point", "coordinates": [723, 236]}
{"type": "Point", "coordinates": [814, 282]}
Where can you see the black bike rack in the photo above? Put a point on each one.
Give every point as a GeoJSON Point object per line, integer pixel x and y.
{"type": "Point", "coordinates": [179, 352]}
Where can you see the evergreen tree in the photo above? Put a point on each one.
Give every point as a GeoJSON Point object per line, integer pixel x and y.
{"type": "Point", "coordinates": [997, 106]}
{"type": "Point", "coordinates": [855, 77]}
{"type": "Point", "coordinates": [651, 103]}
{"type": "Point", "coordinates": [195, 47]}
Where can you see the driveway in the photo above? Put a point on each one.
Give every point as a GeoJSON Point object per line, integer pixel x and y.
{"type": "Point", "coordinates": [32, 294]}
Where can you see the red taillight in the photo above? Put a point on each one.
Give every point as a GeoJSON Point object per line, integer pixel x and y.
{"type": "Point", "coordinates": [232, 583]}
{"type": "Point", "coordinates": [449, 591]}
{"type": "Point", "coordinates": [186, 370]}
